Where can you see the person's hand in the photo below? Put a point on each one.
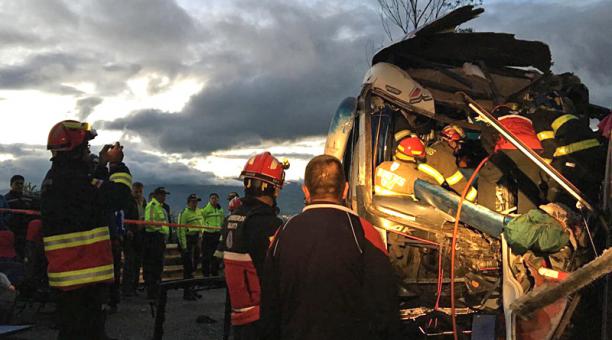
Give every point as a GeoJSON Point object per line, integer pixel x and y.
{"type": "Point", "coordinates": [111, 154]}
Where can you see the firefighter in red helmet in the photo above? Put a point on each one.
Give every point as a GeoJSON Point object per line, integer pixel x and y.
{"type": "Point", "coordinates": [76, 204]}
{"type": "Point", "coordinates": [246, 236]}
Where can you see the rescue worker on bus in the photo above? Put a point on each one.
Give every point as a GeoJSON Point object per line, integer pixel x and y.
{"type": "Point", "coordinates": [189, 238]}
{"type": "Point", "coordinates": [155, 242]}
{"type": "Point", "coordinates": [75, 206]}
{"type": "Point", "coordinates": [246, 237]}
{"type": "Point", "coordinates": [507, 160]}
{"type": "Point", "coordinates": [570, 145]}
{"type": "Point", "coordinates": [397, 177]}
{"type": "Point", "coordinates": [411, 162]}
{"type": "Point", "coordinates": [442, 161]}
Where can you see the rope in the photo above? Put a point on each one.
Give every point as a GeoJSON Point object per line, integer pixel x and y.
{"type": "Point", "coordinates": [133, 222]}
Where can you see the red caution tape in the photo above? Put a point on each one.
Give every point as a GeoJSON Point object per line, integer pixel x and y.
{"type": "Point", "coordinates": [135, 222]}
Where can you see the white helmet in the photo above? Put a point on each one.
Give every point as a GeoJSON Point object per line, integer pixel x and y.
{"type": "Point", "coordinates": [395, 83]}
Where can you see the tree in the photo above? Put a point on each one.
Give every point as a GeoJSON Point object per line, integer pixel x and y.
{"type": "Point", "coordinates": [408, 15]}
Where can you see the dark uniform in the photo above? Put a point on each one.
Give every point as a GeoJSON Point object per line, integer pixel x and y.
{"type": "Point", "coordinates": [75, 207]}
{"type": "Point", "coordinates": [574, 150]}
{"type": "Point", "coordinates": [246, 234]}
{"type": "Point", "coordinates": [18, 223]}
{"type": "Point", "coordinates": [133, 249]}
{"type": "Point", "coordinates": [328, 276]}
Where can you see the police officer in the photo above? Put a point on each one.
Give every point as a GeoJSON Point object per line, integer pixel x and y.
{"type": "Point", "coordinates": [246, 236]}
{"type": "Point", "coordinates": [189, 238]}
{"type": "Point", "coordinates": [75, 206]}
{"type": "Point", "coordinates": [155, 242]}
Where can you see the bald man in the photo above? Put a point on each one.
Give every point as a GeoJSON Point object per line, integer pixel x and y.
{"type": "Point", "coordinates": [327, 275]}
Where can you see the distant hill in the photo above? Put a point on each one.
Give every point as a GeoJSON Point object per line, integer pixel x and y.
{"type": "Point", "coordinates": [291, 200]}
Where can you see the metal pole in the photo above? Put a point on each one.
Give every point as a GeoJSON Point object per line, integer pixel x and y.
{"type": "Point", "coordinates": [160, 317]}
{"type": "Point", "coordinates": [227, 320]}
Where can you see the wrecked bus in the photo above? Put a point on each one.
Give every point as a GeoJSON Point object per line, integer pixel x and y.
{"type": "Point", "coordinates": [416, 83]}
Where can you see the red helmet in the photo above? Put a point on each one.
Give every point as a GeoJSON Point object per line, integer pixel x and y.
{"type": "Point", "coordinates": [266, 168]}
{"type": "Point", "coordinates": [410, 148]}
{"type": "Point", "coordinates": [452, 133]}
{"type": "Point", "coordinates": [68, 134]}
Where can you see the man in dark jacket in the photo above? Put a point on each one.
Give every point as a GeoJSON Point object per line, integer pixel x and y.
{"type": "Point", "coordinates": [75, 207]}
{"type": "Point", "coordinates": [18, 223]}
{"type": "Point", "coordinates": [246, 236]}
{"type": "Point", "coordinates": [133, 242]}
{"type": "Point", "coordinates": [327, 274]}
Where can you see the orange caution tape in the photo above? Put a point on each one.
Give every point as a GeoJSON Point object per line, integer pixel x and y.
{"type": "Point", "coordinates": [135, 222]}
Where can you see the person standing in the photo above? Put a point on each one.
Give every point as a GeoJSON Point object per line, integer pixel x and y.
{"type": "Point", "coordinates": [327, 274]}
{"type": "Point", "coordinates": [213, 216]}
{"type": "Point", "coordinates": [188, 239]}
{"type": "Point", "coordinates": [506, 160]}
{"type": "Point", "coordinates": [75, 206]}
{"type": "Point", "coordinates": [18, 223]}
{"type": "Point", "coordinates": [155, 242]}
{"type": "Point", "coordinates": [133, 245]}
{"type": "Point", "coordinates": [246, 238]}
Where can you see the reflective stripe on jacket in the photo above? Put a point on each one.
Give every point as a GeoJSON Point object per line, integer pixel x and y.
{"type": "Point", "coordinates": [155, 212]}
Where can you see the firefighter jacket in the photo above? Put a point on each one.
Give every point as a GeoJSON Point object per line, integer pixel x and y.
{"type": "Point", "coordinates": [328, 276]}
{"type": "Point", "coordinates": [188, 216]}
{"type": "Point", "coordinates": [442, 167]}
{"type": "Point", "coordinates": [213, 217]}
{"type": "Point", "coordinates": [397, 178]}
{"type": "Point", "coordinates": [75, 210]}
{"type": "Point", "coordinates": [562, 133]}
{"type": "Point", "coordinates": [522, 128]}
{"type": "Point", "coordinates": [155, 212]}
{"type": "Point", "coordinates": [246, 237]}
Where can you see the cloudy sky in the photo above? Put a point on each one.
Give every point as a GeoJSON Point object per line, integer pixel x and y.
{"type": "Point", "coordinates": [192, 88]}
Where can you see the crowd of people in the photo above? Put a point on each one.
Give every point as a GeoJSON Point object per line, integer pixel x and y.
{"type": "Point", "coordinates": [94, 218]}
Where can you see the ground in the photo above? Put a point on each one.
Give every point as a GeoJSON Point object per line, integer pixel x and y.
{"type": "Point", "coordinates": [134, 321]}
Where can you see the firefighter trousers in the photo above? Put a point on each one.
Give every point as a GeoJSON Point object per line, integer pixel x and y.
{"type": "Point", "coordinates": [80, 314]}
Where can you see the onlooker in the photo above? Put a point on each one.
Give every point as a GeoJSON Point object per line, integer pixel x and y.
{"type": "Point", "coordinates": [18, 223]}
{"type": "Point", "coordinates": [133, 245]}
{"type": "Point", "coordinates": [188, 239]}
{"type": "Point", "coordinates": [246, 238]}
{"type": "Point", "coordinates": [327, 275]}
{"type": "Point", "coordinates": [213, 217]}
{"type": "Point", "coordinates": [155, 242]}
{"type": "Point", "coordinates": [36, 262]}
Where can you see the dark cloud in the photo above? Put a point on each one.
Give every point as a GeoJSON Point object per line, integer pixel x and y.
{"type": "Point", "coordinates": [577, 32]}
{"type": "Point", "coordinates": [279, 82]}
{"type": "Point", "coordinates": [32, 161]}
{"type": "Point", "coordinates": [85, 106]}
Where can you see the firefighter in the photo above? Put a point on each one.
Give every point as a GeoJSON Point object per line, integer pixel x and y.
{"type": "Point", "coordinates": [75, 206]}
{"type": "Point", "coordinates": [189, 238]}
{"type": "Point", "coordinates": [397, 177]}
{"type": "Point", "coordinates": [507, 160]}
{"type": "Point", "coordinates": [246, 236]}
{"type": "Point", "coordinates": [570, 145]}
{"type": "Point", "coordinates": [155, 242]}
{"type": "Point", "coordinates": [442, 161]}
